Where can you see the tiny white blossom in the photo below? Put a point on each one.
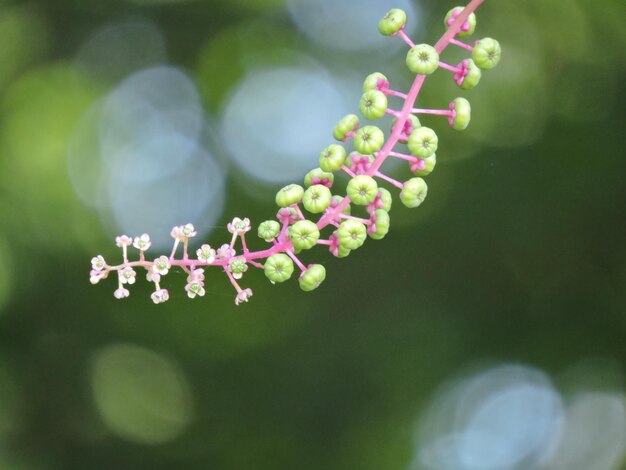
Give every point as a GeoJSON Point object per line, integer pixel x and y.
{"type": "Point", "coordinates": [127, 275]}
{"type": "Point", "coordinates": [243, 296]}
{"type": "Point", "coordinates": [197, 275]}
{"type": "Point", "coordinates": [206, 254]}
{"type": "Point", "coordinates": [161, 265]}
{"type": "Point", "coordinates": [121, 293]}
{"type": "Point", "coordinates": [160, 296]}
{"type": "Point", "coordinates": [194, 288]}
{"type": "Point", "coordinates": [143, 242]}
{"type": "Point", "coordinates": [177, 233]}
{"type": "Point", "coordinates": [225, 251]}
{"type": "Point", "coordinates": [123, 240]}
{"type": "Point", "coordinates": [98, 263]}
{"type": "Point", "coordinates": [152, 276]}
{"type": "Point", "coordinates": [95, 276]}
{"type": "Point", "coordinates": [189, 231]}
{"type": "Point", "coordinates": [239, 226]}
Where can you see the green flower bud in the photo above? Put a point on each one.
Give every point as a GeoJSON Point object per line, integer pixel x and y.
{"type": "Point", "coordinates": [467, 28]}
{"type": "Point", "coordinates": [362, 190]}
{"type": "Point", "coordinates": [486, 53]}
{"type": "Point", "coordinates": [269, 230]}
{"type": "Point", "coordinates": [385, 199]}
{"type": "Point", "coordinates": [318, 176]}
{"type": "Point", "coordinates": [316, 198]}
{"type": "Point", "coordinates": [373, 104]}
{"type": "Point", "coordinates": [381, 225]}
{"type": "Point", "coordinates": [423, 142]}
{"type": "Point", "coordinates": [411, 121]}
{"type": "Point", "coordinates": [347, 124]}
{"type": "Point", "coordinates": [290, 194]}
{"type": "Point", "coordinates": [278, 267]}
{"type": "Point", "coordinates": [343, 252]}
{"type": "Point", "coordinates": [462, 111]}
{"type": "Point", "coordinates": [312, 277]}
{"type": "Point", "coordinates": [304, 234]}
{"type": "Point", "coordinates": [392, 22]}
{"type": "Point", "coordinates": [332, 157]}
{"type": "Point", "coordinates": [414, 192]}
{"type": "Point", "coordinates": [369, 139]}
{"type": "Point", "coordinates": [237, 266]}
{"type": "Point", "coordinates": [351, 234]}
{"type": "Point", "coordinates": [422, 59]}
{"type": "Point", "coordinates": [473, 75]}
{"type": "Point", "coordinates": [336, 200]}
{"type": "Point", "coordinates": [430, 163]}
{"type": "Point", "coordinates": [371, 81]}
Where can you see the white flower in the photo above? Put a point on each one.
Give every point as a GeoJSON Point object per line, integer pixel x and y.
{"type": "Point", "coordinates": [206, 254]}
{"type": "Point", "coordinates": [197, 275]}
{"type": "Point", "coordinates": [123, 241]}
{"type": "Point", "coordinates": [152, 276]}
{"type": "Point", "coordinates": [127, 275]}
{"type": "Point", "coordinates": [98, 263]}
{"type": "Point", "coordinates": [161, 265]}
{"type": "Point", "coordinates": [121, 293]}
{"type": "Point", "coordinates": [194, 288]}
{"type": "Point", "coordinates": [239, 226]}
{"type": "Point", "coordinates": [160, 296]}
{"type": "Point", "coordinates": [95, 276]}
{"type": "Point", "coordinates": [243, 296]}
{"type": "Point", "coordinates": [225, 251]}
{"type": "Point", "coordinates": [189, 231]}
{"type": "Point", "coordinates": [177, 233]}
{"type": "Point", "coordinates": [143, 242]}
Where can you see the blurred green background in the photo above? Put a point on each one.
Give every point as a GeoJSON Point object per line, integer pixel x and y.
{"type": "Point", "coordinates": [487, 331]}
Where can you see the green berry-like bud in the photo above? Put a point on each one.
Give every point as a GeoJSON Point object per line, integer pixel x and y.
{"type": "Point", "coordinates": [385, 199]}
{"type": "Point", "coordinates": [381, 225]}
{"type": "Point", "coordinates": [318, 176]}
{"type": "Point", "coordinates": [304, 234]}
{"type": "Point", "coordinates": [486, 53]}
{"type": "Point", "coordinates": [347, 124]}
{"type": "Point", "coordinates": [332, 157]}
{"type": "Point", "coordinates": [336, 200]}
{"type": "Point", "coordinates": [369, 139]}
{"type": "Point", "coordinates": [312, 277]}
{"type": "Point", "coordinates": [316, 198]}
{"type": "Point", "coordinates": [362, 190]}
{"type": "Point", "coordinates": [392, 22]}
{"type": "Point", "coordinates": [422, 59]}
{"type": "Point", "coordinates": [462, 114]}
{"type": "Point", "coordinates": [371, 81]}
{"type": "Point", "coordinates": [268, 230]}
{"type": "Point", "coordinates": [467, 28]}
{"type": "Point", "coordinates": [430, 163]}
{"type": "Point", "coordinates": [414, 192]}
{"type": "Point", "coordinates": [237, 266]}
{"type": "Point", "coordinates": [472, 78]}
{"type": "Point", "coordinates": [373, 104]}
{"type": "Point", "coordinates": [410, 125]}
{"type": "Point", "coordinates": [278, 267]}
{"type": "Point", "coordinates": [351, 234]}
{"type": "Point", "coordinates": [423, 142]}
{"type": "Point", "coordinates": [290, 194]}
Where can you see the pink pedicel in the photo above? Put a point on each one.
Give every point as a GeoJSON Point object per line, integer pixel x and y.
{"type": "Point", "coordinates": [287, 216]}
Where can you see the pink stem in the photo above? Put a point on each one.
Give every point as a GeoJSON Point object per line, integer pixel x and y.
{"type": "Point", "coordinates": [451, 68]}
{"type": "Point", "coordinates": [298, 211]}
{"type": "Point", "coordinates": [324, 242]}
{"type": "Point", "coordinates": [409, 158]}
{"type": "Point", "coordinates": [405, 38]}
{"type": "Point", "coordinates": [456, 42]}
{"type": "Point", "coordinates": [440, 112]}
{"type": "Point", "coordinates": [296, 260]}
{"type": "Point", "coordinates": [395, 93]}
{"type": "Point", "coordinates": [397, 184]}
{"type": "Point", "coordinates": [392, 112]}
{"type": "Point", "coordinates": [358, 219]}
{"type": "Point", "coordinates": [233, 281]}
{"type": "Point", "coordinates": [348, 171]}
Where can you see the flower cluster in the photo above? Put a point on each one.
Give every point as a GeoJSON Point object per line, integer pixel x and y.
{"type": "Point", "coordinates": [344, 222]}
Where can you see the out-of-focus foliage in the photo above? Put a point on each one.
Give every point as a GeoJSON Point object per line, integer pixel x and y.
{"type": "Point", "coordinates": [486, 331]}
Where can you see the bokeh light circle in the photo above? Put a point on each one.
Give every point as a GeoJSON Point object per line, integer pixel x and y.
{"type": "Point", "coordinates": [140, 395]}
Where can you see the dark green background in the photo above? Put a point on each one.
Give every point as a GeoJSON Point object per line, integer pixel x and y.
{"type": "Point", "coordinates": [517, 256]}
